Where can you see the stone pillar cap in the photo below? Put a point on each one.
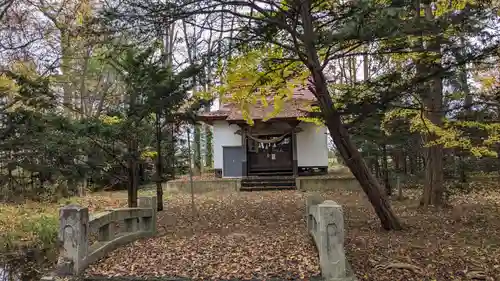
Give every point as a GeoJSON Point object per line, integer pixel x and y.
{"type": "Point", "coordinates": [330, 202]}
{"type": "Point", "coordinates": [73, 206]}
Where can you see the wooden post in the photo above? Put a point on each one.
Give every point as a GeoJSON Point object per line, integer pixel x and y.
{"type": "Point", "coordinates": [295, 163]}
{"type": "Point", "coordinates": [244, 167]}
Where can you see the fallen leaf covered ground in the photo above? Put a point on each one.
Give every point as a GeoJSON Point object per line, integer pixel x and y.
{"type": "Point", "coordinates": [262, 235]}
{"type": "Point", "coordinates": [203, 176]}
{"type": "Point", "coordinates": [334, 173]}
{"type": "Point", "coordinates": [235, 236]}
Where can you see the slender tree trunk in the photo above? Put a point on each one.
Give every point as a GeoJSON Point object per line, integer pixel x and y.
{"type": "Point", "coordinates": [369, 164]}
{"type": "Point", "coordinates": [197, 150]}
{"type": "Point", "coordinates": [344, 70]}
{"type": "Point", "coordinates": [196, 144]}
{"type": "Point", "coordinates": [231, 43]}
{"type": "Point", "coordinates": [405, 163]}
{"type": "Point", "coordinates": [208, 146]}
{"type": "Point", "coordinates": [208, 85]}
{"type": "Point", "coordinates": [170, 163]}
{"type": "Point", "coordinates": [464, 87]}
{"type": "Point", "coordinates": [168, 42]}
{"type": "Point", "coordinates": [498, 163]}
{"type": "Point", "coordinates": [385, 168]}
{"type": "Point", "coordinates": [192, 57]}
{"type": "Point", "coordinates": [412, 159]}
{"type": "Point", "coordinates": [66, 75]}
{"type": "Point", "coordinates": [366, 65]}
{"type": "Point", "coordinates": [352, 69]}
{"type": "Point", "coordinates": [462, 170]}
{"type": "Point", "coordinates": [158, 163]}
{"type": "Point", "coordinates": [132, 152]}
{"type": "Point", "coordinates": [422, 161]}
{"type": "Point", "coordinates": [133, 172]}
{"type": "Point", "coordinates": [396, 158]}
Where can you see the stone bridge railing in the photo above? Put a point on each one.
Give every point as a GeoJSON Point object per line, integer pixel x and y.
{"type": "Point", "coordinates": [325, 223]}
{"type": "Point", "coordinates": [112, 229]}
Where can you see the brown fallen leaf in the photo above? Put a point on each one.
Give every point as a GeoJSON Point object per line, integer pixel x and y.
{"type": "Point", "coordinates": [399, 265]}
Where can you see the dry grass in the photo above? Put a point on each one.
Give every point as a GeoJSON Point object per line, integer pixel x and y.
{"type": "Point", "coordinates": [35, 224]}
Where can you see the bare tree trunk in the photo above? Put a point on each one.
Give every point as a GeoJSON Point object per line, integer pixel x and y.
{"type": "Point", "coordinates": [385, 169]}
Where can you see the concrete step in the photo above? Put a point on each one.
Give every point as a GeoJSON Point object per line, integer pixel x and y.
{"type": "Point", "coordinates": [268, 183]}
{"type": "Point", "coordinates": [271, 173]}
{"type": "Point", "coordinates": [266, 188]}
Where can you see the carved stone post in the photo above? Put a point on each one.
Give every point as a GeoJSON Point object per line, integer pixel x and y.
{"type": "Point", "coordinates": [312, 200]}
{"type": "Point", "coordinates": [148, 224]}
{"type": "Point", "coordinates": [331, 240]}
{"type": "Point", "coordinates": [73, 239]}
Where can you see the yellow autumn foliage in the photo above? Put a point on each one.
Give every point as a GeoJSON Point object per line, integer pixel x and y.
{"type": "Point", "coordinates": [149, 154]}
{"type": "Point", "coordinates": [8, 87]}
{"type": "Point", "coordinates": [450, 134]}
{"type": "Point", "coordinates": [110, 120]}
{"type": "Point", "coordinates": [260, 75]}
